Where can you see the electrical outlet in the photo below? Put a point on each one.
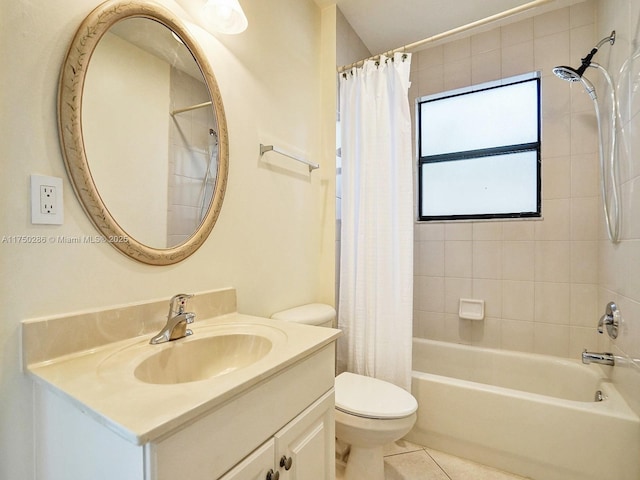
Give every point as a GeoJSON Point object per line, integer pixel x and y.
{"type": "Point", "coordinates": [46, 200]}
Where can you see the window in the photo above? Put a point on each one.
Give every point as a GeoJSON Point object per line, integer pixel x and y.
{"type": "Point", "coordinates": [479, 151]}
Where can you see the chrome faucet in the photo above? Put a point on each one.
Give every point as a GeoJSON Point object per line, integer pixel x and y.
{"type": "Point", "coordinates": [601, 358]}
{"type": "Point", "coordinates": [611, 320]}
{"type": "Point", "coordinates": [177, 321]}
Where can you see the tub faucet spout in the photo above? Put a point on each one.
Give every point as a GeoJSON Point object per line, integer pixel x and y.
{"type": "Point", "coordinates": [177, 321]}
{"type": "Point", "coordinates": [601, 358]}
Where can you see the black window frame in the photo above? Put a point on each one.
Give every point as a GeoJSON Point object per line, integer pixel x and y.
{"type": "Point", "coordinates": [481, 153]}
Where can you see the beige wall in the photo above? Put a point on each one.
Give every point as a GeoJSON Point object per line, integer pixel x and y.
{"type": "Point", "coordinates": [274, 237]}
{"type": "Point", "coordinates": [538, 277]}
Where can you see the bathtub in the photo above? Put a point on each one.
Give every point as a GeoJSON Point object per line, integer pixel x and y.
{"type": "Point", "coordinates": [532, 415]}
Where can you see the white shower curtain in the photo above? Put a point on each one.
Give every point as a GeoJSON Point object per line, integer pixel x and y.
{"type": "Point", "coordinates": [376, 253]}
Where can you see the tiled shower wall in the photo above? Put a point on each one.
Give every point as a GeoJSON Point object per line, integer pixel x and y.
{"type": "Point", "coordinates": [619, 265]}
{"type": "Point", "coordinates": [538, 278]}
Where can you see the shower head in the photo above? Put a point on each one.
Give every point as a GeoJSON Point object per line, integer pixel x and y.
{"type": "Point", "coordinates": [567, 73]}
{"type": "Point", "coordinates": [573, 75]}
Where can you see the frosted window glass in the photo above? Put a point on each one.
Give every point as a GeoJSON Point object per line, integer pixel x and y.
{"type": "Point", "coordinates": [500, 184]}
{"type": "Point", "coordinates": [506, 115]}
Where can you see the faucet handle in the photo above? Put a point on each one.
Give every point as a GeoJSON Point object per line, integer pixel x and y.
{"type": "Point", "coordinates": [178, 303]}
{"type": "Point", "coordinates": [611, 320]}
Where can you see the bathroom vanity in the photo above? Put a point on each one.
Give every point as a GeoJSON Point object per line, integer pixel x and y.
{"type": "Point", "coordinates": [129, 410]}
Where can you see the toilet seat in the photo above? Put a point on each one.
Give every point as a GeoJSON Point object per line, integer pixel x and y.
{"type": "Point", "coordinates": [372, 398]}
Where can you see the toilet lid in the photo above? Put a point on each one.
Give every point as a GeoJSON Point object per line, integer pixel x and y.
{"type": "Point", "coordinates": [372, 398]}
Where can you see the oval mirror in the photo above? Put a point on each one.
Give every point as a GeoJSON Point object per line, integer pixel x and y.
{"type": "Point", "coordinates": [143, 131]}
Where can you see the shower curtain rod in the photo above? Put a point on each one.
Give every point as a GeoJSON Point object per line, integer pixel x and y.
{"type": "Point", "coordinates": [192, 107]}
{"type": "Point", "coordinates": [449, 33]}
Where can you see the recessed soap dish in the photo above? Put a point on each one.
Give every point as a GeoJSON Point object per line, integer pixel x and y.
{"type": "Point", "coordinates": [471, 309]}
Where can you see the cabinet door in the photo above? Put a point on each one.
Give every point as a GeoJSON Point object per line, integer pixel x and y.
{"type": "Point", "coordinates": [256, 466]}
{"type": "Point", "coordinates": [305, 447]}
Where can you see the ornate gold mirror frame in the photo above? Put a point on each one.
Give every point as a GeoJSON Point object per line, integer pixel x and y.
{"type": "Point", "coordinates": [72, 81]}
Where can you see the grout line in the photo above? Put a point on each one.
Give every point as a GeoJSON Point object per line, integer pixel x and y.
{"type": "Point", "coordinates": [436, 462]}
{"type": "Point", "coordinates": [403, 453]}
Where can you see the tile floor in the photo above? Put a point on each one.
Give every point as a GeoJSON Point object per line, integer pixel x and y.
{"type": "Point", "coordinates": [407, 461]}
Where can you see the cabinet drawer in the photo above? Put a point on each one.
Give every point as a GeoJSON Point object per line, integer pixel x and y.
{"type": "Point", "coordinates": [214, 443]}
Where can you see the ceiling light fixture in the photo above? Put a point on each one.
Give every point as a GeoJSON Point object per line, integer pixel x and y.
{"type": "Point", "coordinates": [219, 16]}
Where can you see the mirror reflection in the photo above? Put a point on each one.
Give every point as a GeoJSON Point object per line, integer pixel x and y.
{"type": "Point", "coordinates": [150, 132]}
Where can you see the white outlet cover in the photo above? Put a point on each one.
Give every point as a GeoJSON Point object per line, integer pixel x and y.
{"type": "Point", "coordinates": [38, 217]}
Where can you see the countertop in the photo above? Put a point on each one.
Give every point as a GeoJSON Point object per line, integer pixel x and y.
{"type": "Point", "coordinates": [100, 381]}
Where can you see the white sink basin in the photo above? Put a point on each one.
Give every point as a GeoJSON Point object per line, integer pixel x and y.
{"type": "Point", "coordinates": [195, 359]}
{"type": "Point", "coordinates": [211, 352]}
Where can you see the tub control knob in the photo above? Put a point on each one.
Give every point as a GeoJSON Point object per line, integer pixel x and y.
{"type": "Point", "coordinates": [271, 475]}
{"type": "Point", "coordinates": [611, 320]}
{"type": "Point", "coordinates": [286, 462]}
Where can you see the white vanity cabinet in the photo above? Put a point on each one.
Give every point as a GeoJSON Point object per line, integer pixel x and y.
{"type": "Point", "coordinates": [257, 466]}
{"type": "Point", "coordinates": [302, 450]}
{"type": "Point", "coordinates": [286, 414]}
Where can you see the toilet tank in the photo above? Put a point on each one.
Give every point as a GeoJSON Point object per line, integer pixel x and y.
{"type": "Point", "coordinates": [317, 314]}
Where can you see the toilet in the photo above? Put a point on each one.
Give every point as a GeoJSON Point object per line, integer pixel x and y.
{"type": "Point", "coordinates": [369, 412]}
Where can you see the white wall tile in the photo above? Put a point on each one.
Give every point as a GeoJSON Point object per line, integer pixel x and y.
{"type": "Point", "coordinates": [455, 289]}
{"type": "Point", "coordinates": [487, 230]}
{"type": "Point", "coordinates": [556, 136]}
{"type": "Point", "coordinates": [518, 261]}
{"type": "Point", "coordinates": [429, 258]}
{"type": "Point", "coordinates": [457, 50]}
{"type": "Point", "coordinates": [582, 14]}
{"type": "Point", "coordinates": [487, 259]}
{"type": "Point", "coordinates": [584, 138]}
{"type": "Point", "coordinates": [486, 67]}
{"type": "Point", "coordinates": [517, 335]}
{"type": "Point", "coordinates": [519, 230]}
{"type": "Point", "coordinates": [553, 262]}
{"type": "Point", "coordinates": [517, 32]}
{"type": "Point", "coordinates": [517, 59]}
{"type": "Point", "coordinates": [518, 300]}
{"type": "Point", "coordinates": [551, 339]}
{"type": "Point", "coordinates": [557, 220]}
{"type": "Point", "coordinates": [552, 22]}
{"type": "Point", "coordinates": [556, 177]}
{"type": "Point", "coordinates": [491, 292]}
{"type": "Point", "coordinates": [584, 305]}
{"type": "Point", "coordinates": [457, 74]}
{"type": "Point", "coordinates": [584, 262]}
{"type": "Point", "coordinates": [458, 259]}
{"type": "Point", "coordinates": [485, 42]}
{"type": "Point", "coordinates": [585, 175]}
{"type": "Point", "coordinates": [458, 231]}
{"type": "Point", "coordinates": [553, 303]}
{"type": "Point", "coordinates": [551, 51]}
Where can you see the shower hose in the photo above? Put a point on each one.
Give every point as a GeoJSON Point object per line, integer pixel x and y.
{"type": "Point", "coordinates": [608, 167]}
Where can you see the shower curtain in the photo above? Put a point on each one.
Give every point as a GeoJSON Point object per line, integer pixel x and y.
{"type": "Point", "coordinates": [376, 245]}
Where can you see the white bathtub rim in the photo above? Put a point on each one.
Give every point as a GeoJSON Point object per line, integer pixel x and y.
{"type": "Point", "coordinates": [613, 404]}
{"type": "Point", "coordinates": [572, 363]}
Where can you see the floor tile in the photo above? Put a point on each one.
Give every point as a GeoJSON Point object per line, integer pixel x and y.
{"type": "Point", "coordinates": [416, 465]}
{"type": "Point", "coordinates": [401, 446]}
{"type": "Point", "coordinates": [407, 461]}
{"type": "Point", "coordinates": [461, 469]}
